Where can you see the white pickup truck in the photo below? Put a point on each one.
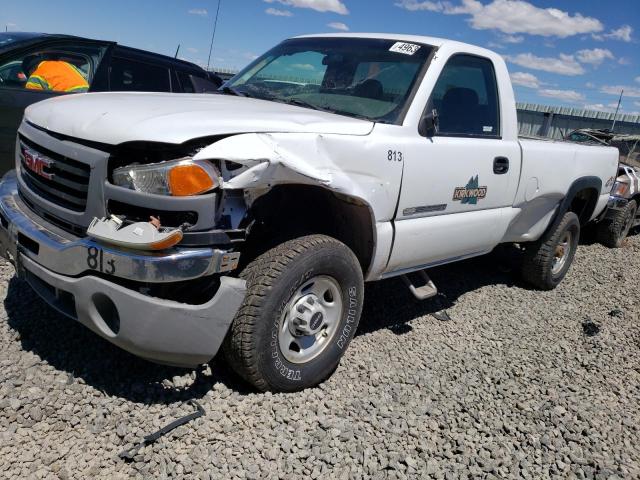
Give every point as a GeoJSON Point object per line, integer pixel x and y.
{"type": "Point", "coordinates": [329, 161]}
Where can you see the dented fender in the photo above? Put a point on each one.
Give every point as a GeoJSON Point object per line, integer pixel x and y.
{"type": "Point", "coordinates": [298, 158]}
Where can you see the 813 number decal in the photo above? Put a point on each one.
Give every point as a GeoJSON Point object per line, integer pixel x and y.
{"type": "Point", "coordinates": [394, 156]}
{"type": "Point", "coordinates": [95, 261]}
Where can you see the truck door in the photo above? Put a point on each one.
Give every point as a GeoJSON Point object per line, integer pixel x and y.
{"type": "Point", "coordinates": [460, 180]}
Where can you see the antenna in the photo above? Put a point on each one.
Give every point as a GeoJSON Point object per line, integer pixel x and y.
{"type": "Point", "coordinates": [617, 108]}
{"type": "Point", "coordinates": [177, 50]}
{"type": "Point", "coordinates": [213, 36]}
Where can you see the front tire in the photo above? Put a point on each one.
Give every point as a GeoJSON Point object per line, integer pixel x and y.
{"type": "Point", "coordinates": [302, 307]}
{"type": "Point", "coordinates": [612, 232]}
{"type": "Point", "coordinates": [547, 260]}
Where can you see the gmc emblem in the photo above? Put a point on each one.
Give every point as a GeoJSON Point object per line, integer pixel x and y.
{"type": "Point", "coordinates": [37, 163]}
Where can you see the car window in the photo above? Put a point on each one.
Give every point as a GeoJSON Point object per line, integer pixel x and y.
{"type": "Point", "coordinates": [126, 75]}
{"type": "Point", "coordinates": [185, 82]}
{"type": "Point", "coordinates": [466, 98]}
{"type": "Point", "coordinates": [62, 69]}
{"type": "Point", "coordinates": [195, 84]}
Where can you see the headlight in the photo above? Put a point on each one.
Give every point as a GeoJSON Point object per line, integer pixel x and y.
{"type": "Point", "coordinates": [620, 189]}
{"type": "Point", "coordinates": [180, 178]}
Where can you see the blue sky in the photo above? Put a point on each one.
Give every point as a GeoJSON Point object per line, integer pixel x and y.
{"type": "Point", "coordinates": [560, 52]}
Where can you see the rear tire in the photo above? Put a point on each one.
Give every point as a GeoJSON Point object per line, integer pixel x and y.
{"type": "Point", "coordinates": [613, 231]}
{"type": "Point", "coordinates": [301, 310]}
{"type": "Point", "coordinates": [547, 261]}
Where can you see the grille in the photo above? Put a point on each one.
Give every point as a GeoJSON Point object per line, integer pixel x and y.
{"type": "Point", "coordinates": [54, 177]}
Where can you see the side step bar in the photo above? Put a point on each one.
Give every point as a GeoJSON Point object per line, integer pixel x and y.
{"type": "Point", "coordinates": [427, 290]}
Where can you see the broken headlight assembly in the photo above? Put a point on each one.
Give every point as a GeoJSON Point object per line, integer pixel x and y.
{"type": "Point", "coordinates": [620, 189]}
{"type": "Point", "coordinates": [179, 178]}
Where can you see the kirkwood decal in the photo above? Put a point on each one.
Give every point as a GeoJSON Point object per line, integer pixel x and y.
{"type": "Point", "coordinates": [470, 193]}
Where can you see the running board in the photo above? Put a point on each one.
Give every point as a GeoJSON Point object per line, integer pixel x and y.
{"type": "Point", "coordinates": [427, 290]}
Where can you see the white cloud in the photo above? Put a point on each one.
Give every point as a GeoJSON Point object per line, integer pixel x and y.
{"type": "Point", "coordinates": [565, 95]}
{"type": "Point", "coordinates": [562, 65]}
{"type": "Point", "coordinates": [525, 80]}
{"type": "Point", "coordinates": [637, 104]}
{"type": "Point", "coordinates": [338, 26]}
{"type": "Point", "coordinates": [511, 17]}
{"type": "Point", "coordinates": [198, 11]}
{"type": "Point", "coordinates": [623, 33]}
{"type": "Point", "coordinates": [335, 6]}
{"type": "Point", "coordinates": [637, 79]}
{"type": "Point", "coordinates": [192, 50]}
{"type": "Point", "coordinates": [609, 107]}
{"type": "Point", "coordinates": [276, 12]}
{"type": "Point", "coordinates": [624, 61]}
{"type": "Point", "coordinates": [414, 5]}
{"type": "Point", "coordinates": [629, 91]}
{"type": "Point", "coordinates": [303, 66]}
{"type": "Point", "coordinates": [595, 56]}
{"type": "Point", "coordinates": [512, 38]}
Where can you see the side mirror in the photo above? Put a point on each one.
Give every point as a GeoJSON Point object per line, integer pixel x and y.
{"type": "Point", "coordinates": [428, 125]}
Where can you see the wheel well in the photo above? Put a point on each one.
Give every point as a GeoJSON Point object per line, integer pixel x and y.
{"type": "Point", "coordinates": [291, 211]}
{"type": "Point", "coordinates": [583, 204]}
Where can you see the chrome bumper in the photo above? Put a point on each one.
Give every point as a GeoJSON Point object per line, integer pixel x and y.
{"type": "Point", "coordinates": [23, 231]}
{"type": "Point", "coordinates": [164, 331]}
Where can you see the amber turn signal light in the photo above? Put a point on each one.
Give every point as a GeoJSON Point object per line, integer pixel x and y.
{"type": "Point", "coordinates": [168, 242]}
{"type": "Point", "coordinates": [189, 179]}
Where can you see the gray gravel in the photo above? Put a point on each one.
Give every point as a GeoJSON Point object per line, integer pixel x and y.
{"type": "Point", "coordinates": [517, 383]}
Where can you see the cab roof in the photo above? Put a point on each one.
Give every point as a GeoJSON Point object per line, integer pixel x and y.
{"type": "Point", "coordinates": [400, 37]}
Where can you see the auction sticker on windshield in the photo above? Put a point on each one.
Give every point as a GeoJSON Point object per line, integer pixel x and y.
{"type": "Point", "coordinates": [406, 48]}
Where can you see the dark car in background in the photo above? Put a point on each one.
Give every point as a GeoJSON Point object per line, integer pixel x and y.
{"type": "Point", "coordinates": [106, 65]}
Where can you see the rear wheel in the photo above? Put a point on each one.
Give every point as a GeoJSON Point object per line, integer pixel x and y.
{"type": "Point", "coordinates": [547, 260]}
{"type": "Point", "coordinates": [613, 231]}
{"type": "Point", "coordinates": [301, 310]}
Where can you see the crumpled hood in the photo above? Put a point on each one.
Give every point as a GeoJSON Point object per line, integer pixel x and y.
{"type": "Point", "coordinates": [115, 118]}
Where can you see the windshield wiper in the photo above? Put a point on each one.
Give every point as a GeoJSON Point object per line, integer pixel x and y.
{"type": "Point", "coordinates": [301, 103]}
{"type": "Point", "coordinates": [233, 91]}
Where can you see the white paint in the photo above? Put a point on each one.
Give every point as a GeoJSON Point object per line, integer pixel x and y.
{"type": "Point", "coordinates": [114, 118]}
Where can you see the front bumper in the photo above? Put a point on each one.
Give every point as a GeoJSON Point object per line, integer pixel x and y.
{"type": "Point", "coordinates": [164, 331]}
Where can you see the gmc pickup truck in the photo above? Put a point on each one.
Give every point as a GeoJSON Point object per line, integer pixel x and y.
{"type": "Point", "coordinates": [178, 225]}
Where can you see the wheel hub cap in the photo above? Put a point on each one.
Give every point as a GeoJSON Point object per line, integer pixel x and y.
{"type": "Point", "coordinates": [561, 253]}
{"type": "Point", "coordinates": [310, 319]}
{"type": "Point", "coordinates": [307, 316]}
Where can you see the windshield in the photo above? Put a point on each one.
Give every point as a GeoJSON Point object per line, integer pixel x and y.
{"type": "Point", "coordinates": [363, 78]}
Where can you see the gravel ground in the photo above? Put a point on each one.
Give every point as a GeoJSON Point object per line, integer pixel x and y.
{"type": "Point", "coordinates": [518, 383]}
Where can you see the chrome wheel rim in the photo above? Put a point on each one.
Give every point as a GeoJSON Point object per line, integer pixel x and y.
{"type": "Point", "coordinates": [562, 252]}
{"type": "Point", "coordinates": [310, 319]}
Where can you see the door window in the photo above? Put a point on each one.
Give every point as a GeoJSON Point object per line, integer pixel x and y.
{"type": "Point", "coordinates": [63, 69]}
{"type": "Point", "coordinates": [131, 76]}
{"type": "Point", "coordinates": [195, 84]}
{"type": "Point", "coordinates": [466, 98]}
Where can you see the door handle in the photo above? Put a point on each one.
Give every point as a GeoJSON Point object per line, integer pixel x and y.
{"type": "Point", "coordinates": [500, 165]}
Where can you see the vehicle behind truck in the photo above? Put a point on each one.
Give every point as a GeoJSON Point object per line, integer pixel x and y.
{"type": "Point", "coordinates": [176, 226]}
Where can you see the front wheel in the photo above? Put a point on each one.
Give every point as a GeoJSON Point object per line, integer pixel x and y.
{"type": "Point", "coordinates": [547, 261]}
{"type": "Point", "coordinates": [612, 232]}
{"type": "Point", "coordinates": [301, 310]}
